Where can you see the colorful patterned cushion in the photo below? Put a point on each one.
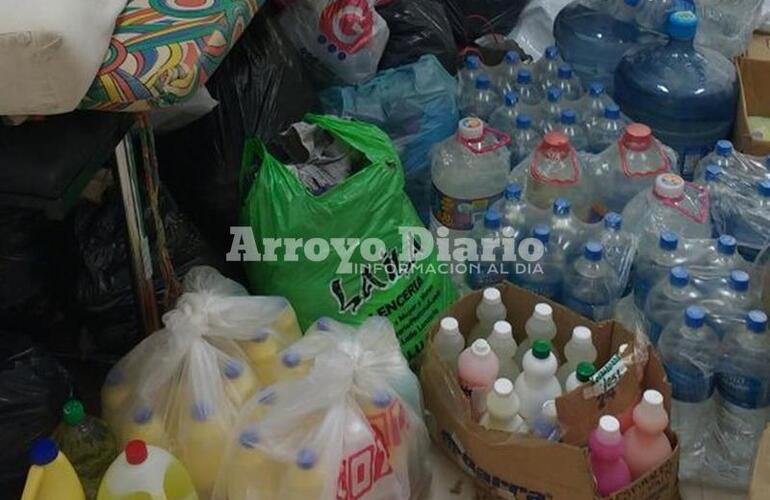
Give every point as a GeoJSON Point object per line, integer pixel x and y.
{"type": "Point", "coordinates": [162, 51]}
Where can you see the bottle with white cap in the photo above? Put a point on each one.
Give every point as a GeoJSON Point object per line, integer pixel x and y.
{"type": "Point", "coordinates": [540, 326]}
{"type": "Point", "coordinates": [647, 445]}
{"type": "Point", "coordinates": [537, 382]}
{"type": "Point", "coordinates": [502, 342]}
{"type": "Point", "coordinates": [449, 342]}
{"type": "Point", "coordinates": [481, 101]}
{"type": "Point", "coordinates": [490, 310]}
{"type": "Point", "coordinates": [502, 408]}
{"type": "Point", "coordinates": [606, 446]}
{"type": "Point", "coordinates": [582, 374]}
{"type": "Point", "coordinates": [477, 370]}
{"type": "Point", "coordinates": [578, 348]}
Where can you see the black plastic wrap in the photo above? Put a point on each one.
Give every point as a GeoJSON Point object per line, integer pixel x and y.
{"type": "Point", "coordinates": [472, 19]}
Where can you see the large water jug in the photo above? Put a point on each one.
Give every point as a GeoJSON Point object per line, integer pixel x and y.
{"type": "Point", "coordinates": [686, 95]}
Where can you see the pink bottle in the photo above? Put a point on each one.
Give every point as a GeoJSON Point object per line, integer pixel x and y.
{"type": "Point", "coordinates": [606, 447]}
{"type": "Point", "coordinates": [477, 369]}
{"type": "Point", "coordinates": [646, 443]}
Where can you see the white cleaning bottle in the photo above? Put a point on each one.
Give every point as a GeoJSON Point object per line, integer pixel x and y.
{"type": "Point", "coordinates": [540, 326]}
{"type": "Point", "coordinates": [537, 382]}
{"type": "Point", "coordinates": [502, 342]}
{"type": "Point", "coordinates": [489, 310]}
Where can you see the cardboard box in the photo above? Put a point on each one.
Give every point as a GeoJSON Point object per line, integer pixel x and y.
{"type": "Point", "coordinates": [760, 480]}
{"type": "Point", "coordinates": [517, 466]}
{"type": "Point", "coordinates": [754, 100]}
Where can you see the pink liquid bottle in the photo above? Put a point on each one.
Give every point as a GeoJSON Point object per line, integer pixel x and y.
{"type": "Point", "coordinates": [477, 369]}
{"type": "Point", "coordinates": [647, 446]}
{"type": "Point", "coordinates": [606, 447]}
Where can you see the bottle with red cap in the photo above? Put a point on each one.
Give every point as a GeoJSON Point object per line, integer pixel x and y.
{"type": "Point", "coordinates": [144, 471]}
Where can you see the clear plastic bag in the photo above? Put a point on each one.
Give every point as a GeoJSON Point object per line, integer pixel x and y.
{"type": "Point", "coordinates": [181, 388]}
{"type": "Point", "coordinates": [348, 427]}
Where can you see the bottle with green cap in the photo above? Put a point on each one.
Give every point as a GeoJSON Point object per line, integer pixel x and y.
{"type": "Point", "coordinates": [537, 382]}
{"type": "Point", "coordinates": [580, 376]}
{"type": "Point", "coordinates": [87, 442]}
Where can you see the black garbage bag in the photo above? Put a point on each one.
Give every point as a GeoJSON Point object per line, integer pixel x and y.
{"type": "Point", "coordinates": [472, 19]}
{"type": "Point", "coordinates": [33, 388]}
{"type": "Point", "coordinates": [417, 27]}
{"type": "Point", "coordinates": [262, 88]}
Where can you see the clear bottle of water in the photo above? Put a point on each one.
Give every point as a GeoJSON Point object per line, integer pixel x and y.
{"type": "Point", "coordinates": [481, 101]}
{"type": "Point", "coordinates": [575, 131]}
{"type": "Point", "coordinates": [689, 351]}
{"type": "Point", "coordinates": [711, 265]}
{"type": "Point", "coordinates": [504, 117]}
{"type": "Point", "coordinates": [545, 276]}
{"type": "Point", "coordinates": [466, 77]}
{"type": "Point", "coordinates": [727, 24]}
{"type": "Point", "coordinates": [589, 285]}
{"type": "Point", "coordinates": [568, 83]}
{"type": "Point", "coordinates": [743, 405]}
{"type": "Point", "coordinates": [506, 72]}
{"type": "Point", "coordinates": [607, 130]}
{"type": "Point", "coordinates": [723, 156]}
{"type": "Point", "coordinates": [548, 65]}
{"type": "Point", "coordinates": [667, 299]}
{"type": "Point", "coordinates": [565, 228]}
{"type": "Point", "coordinates": [617, 245]}
{"type": "Point", "coordinates": [652, 14]}
{"type": "Point", "coordinates": [624, 10]}
{"type": "Point", "coordinates": [651, 268]}
{"type": "Point", "coordinates": [594, 104]}
{"type": "Point", "coordinates": [529, 91]}
{"type": "Point", "coordinates": [749, 224]}
{"type": "Point", "coordinates": [514, 211]}
{"type": "Point", "coordinates": [486, 272]}
{"type": "Point", "coordinates": [524, 139]}
{"type": "Point", "coordinates": [550, 114]}
{"type": "Point", "coordinates": [728, 303]}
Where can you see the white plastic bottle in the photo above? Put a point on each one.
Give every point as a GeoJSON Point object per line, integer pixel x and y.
{"type": "Point", "coordinates": [540, 326]}
{"type": "Point", "coordinates": [449, 342]}
{"type": "Point", "coordinates": [502, 408]}
{"type": "Point", "coordinates": [477, 369]}
{"type": "Point", "coordinates": [502, 342]}
{"type": "Point", "coordinates": [578, 348]}
{"type": "Point", "coordinates": [580, 376]}
{"type": "Point", "coordinates": [537, 382]}
{"type": "Point", "coordinates": [489, 310]}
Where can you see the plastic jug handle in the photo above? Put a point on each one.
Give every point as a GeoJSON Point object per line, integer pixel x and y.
{"type": "Point", "coordinates": [665, 164]}
{"type": "Point", "coordinates": [34, 480]}
{"type": "Point", "coordinates": [501, 140]}
{"type": "Point", "coordinates": [703, 199]}
{"type": "Point", "coordinates": [534, 170]}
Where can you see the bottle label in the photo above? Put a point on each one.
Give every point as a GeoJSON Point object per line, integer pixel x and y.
{"type": "Point", "coordinates": [690, 384]}
{"type": "Point", "coordinates": [743, 390]}
{"type": "Point", "coordinates": [458, 213]}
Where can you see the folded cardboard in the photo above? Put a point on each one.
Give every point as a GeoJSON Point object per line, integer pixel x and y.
{"type": "Point", "coordinates": [753, 74]}
{"type": "Point", "coordinates": [518, 466]}
{"type": "Point", "coordinates": [760, 480]}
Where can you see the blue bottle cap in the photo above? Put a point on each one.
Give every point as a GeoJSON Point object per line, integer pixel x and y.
{"type": "Point", "coordinates": [553, 94]}
{"type": "Point", "coordinates": [43, 452]}
{"type": "Point", "coordinates": [682, 25]}
{"type": "Point", "coordinates": [694, 316]}
{"type": "Point", "coordinates": [723, 148]}
{"type": "Point", "coordinates": [512, 57]}
{"type": "Point", "coordinates": [201, 411]}
{"type": "Point", "coordinates": [613, 220]}
{"type": "Point", "coordinates": [596, 89]}
{"type": "Point", "coordinates": [262, 334]}
{"type": "Point", "coordinates": [472, 62]}
{"type": "Point", "coordinates": [668, 240]}
{"type": "Point", "coordinates": [756, 321]}
{"type": "Point", "coordinates": [491, 219]}
{"type": "Point", "coordinates": [513, 191]}
{"type": "Point", "coordinates": [561, 206]}
{"type": "Point", "coordinates": [763, 188]}
{"type": "Point", "coordinates": [523, 121]}
{"type": "Point", "coordinates": [323, 324]}
{"type": "Point", "coordinates": [483, 82]}
{"type": "Point", "coordinates": [568, 117]}
{"type": "Point", "coordinates": [713, 172]}
{"type": "Point", "coordinates": [739, 280]}
{"type": "Point", "coordinates": [306, 459]}
{"type": "Point", "coordinates": [679, 276]}
{"type": "Point", "coordinates": [142, 415]}
{"type": "Point", "coordinates": [551, 52]}
{"type": "Point", "coordinates": [249, 439]}
{"type": "Point", "coordinates": [381, 399]}
{"type": "Point", "coordinates": [565, 71]}
{"type": "Point", "coordinates": [612, 111]}
{"type": "Point", "coordinates": [291, 359]}
{"type": "Point", "coordinates": [511, 99]}
{"type": "Point", "coordinates": [542, 233]}
{"type": "Point", "coordinates": [727, 245]}
{"type": "Point", "coordinates": [593, 251]}
{"type": "Point", "coordinates": [233, 369]}
{"type": "Point", "coordinates": [524, 76]}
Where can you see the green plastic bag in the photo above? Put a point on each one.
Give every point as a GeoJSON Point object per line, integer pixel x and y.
{"type": "Point", "coordinates": [371, 203]}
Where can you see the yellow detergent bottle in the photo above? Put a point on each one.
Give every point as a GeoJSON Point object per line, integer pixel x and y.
{"type": "Point", "coordinates": [115, 393]}
{"type": "Point", "coordinates": [304, 479]}
{"type": "Point", "coordinates": [292, 366]}
{"type": "Point", "coordinates": [146, 426]}
{"type": "Point", "coordinates": [51, 476]}
{"type": "Point", "coordinates": [387, 416]}
{"type": "Point", "coordinates": [286, 324]}
{"type": "Point", "coordinates": [145, 472]}
{"type": "Point", "coordinates": [251, 474]}
{"type": "Point", "coordinates": [262, 351]}
{"type": "Point", "coordinates": [201, 446]}
{"type": "Point", "coordinates": [240, 379]}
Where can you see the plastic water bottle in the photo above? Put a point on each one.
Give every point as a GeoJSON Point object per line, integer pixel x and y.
{"type": "Point", "coordinates": [524, 139]}
{"type": "Point", "coordinates": [624, 10]}
{"type": "Point", "coordinates": [481, 101]}
{"type": "Point", "coordinates": [579, 348]}
{"type": "Point", "coordinates": [652, 14]}
{"type": "Point", "coordinates": [689, 351]}
{"type": "Point", "coordinates": [606, 131]}
{"type": "Point", "coordinates": [723, 156]}
{"type": "Point", "coordinates": [449, 342]}
{"type": "Point", "coordinates": [548, 66]}
{"type": "Point", "coordinates": [743, 385]}
{"type": "Point", "coordinates": [618, 246]}
{"type": "Point", "coordinates": [667, 299]}
{"type": "Point", "coordinates": [477, 369]}
{"type": "Point", "coordinates": [575, 131]}
{"type": "Point", "coordinates": [606, 449]}
{"type": "Point", "coordinates": [651, 268]}
{"type": "Point", "coordinates": [502, 343]}
{"type": "Point", "coordinates": [467, 75]}
{"type": "Point", "coordinates": [502, 408]}
{"type": "Point", "coordinates": [580, 376]}
{"type": "Point", "coordinates": [749, 226]}
{"type": "Point", "coordinates": [546, 424]}
{"type": "Point", "coordinates": [568, 83]}
{"type": "Point", "coordinates": [565, 228]}
{"type": "Point", "coordinates": [698, 105]}
{"type": "Point", "coordinates": [647, 445]}
{"type": "Point", "coordinates": [551, 112]}
{"type": "Point", "coordinates": [727, 305]}
{"type": "Point", "coordinates": [487, 273]}
{"type": "Point", "coordinates": [528, 90]}
{"type": "Point", "coordinates": [504, 117]}
{"type": "Point", "coordinates": [539, 326]}
{"type": "Point", "coordinates": [489, 311]}
{"type": "Point", "coordinates": [514, 211]}
{"type": "Point", "coordinates": [506, 72]}
{"type": "Point", "coordinates": [594, 103]}
{"type": "Point", "coordinates": [544, 278]}
{"type": "Point", "coordinates": [537, 382]}
{"type": "Point", "coordinates": [590, 285]}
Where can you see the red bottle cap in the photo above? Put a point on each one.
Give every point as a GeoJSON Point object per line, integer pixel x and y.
{"type": "Point", "coordinates": [556, 140]}
{"type": "Point", "coordinates": [637, 137]}
{"type": "Point", "coordinates": [136, 452]}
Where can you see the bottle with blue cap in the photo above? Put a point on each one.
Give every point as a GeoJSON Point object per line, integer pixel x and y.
{"type": "Point", "coordinates": [542, 275]}
{"type": "Point", "coordinates": [593, 104]}
{"type": "Point", "coordinates": [504, 117]}
{"type": "Point", "coordinates": [689, 351]}
{"type": "Point", "coordinates": [743, 405]}
{"type": "Point", "coordinates": [566, 230]}
{"type": "Point", "coordinates": [667, 299]}
{"type": "Point", "coordinates": [489, 268]}
{"type": "Point", "coordinates": [306, 477]}
{"type": "Point", "coordinates": [573, 129]}
{"type": "Point", "coordinates": [387, 415]}
{"type": "Point", "coordinates": [750, 221]}
{"type": "Point", "coordinates": [249, 468]}
{"type": "Point", "coordinates": [618, 245]}
{"type": "Point", "coordinates": [202, 432]}
{"type": "Point", "coordinates": [605, 131]}
{"type": "Point", "coordinates": [590, 284]}
{"type": "Point", "coordinates": [466, 76]}
{"type": "Point", "coordinates": [145, 424]}
{"type": "Point", "coordinates": [514, 211]}
{"type": "Point", "coordinates": [524, 139]}
{"type": "Point", "coordinates": [527, 88]}
{"type": "Point", "coordinates": [548, 65]}
{"type": "Point", "coordinates": [51, 476]}
{"type": "Point", "coordinates": [568, 83]}
{"type": "Point", "coordinates": [653, 266]}
{"type": "Point", "coordinates": [550, 112]}
{"type": "Point", "coordinates": [727, 303]}
{"type": "Point", "coordinates": [481, 101]}
{"type": "Point", "coordinates": [240, 379]}
{"type": "Point", "coordinates": [262, 350]}
{"type": "Point", "coordinates": [505, 73]}
{"type": "Point", "coordinates": [686, 94]}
